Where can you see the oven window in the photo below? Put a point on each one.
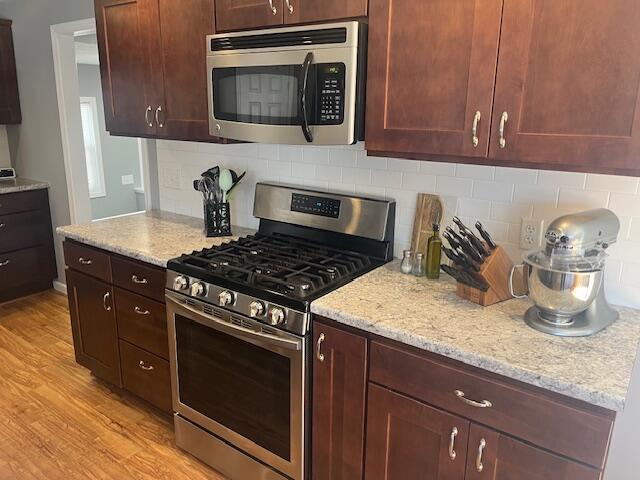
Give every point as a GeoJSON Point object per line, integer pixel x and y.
{"type": "Point", "coordinates": [264, 95]}
{"type": "Point", "coordinates": [235, 383]}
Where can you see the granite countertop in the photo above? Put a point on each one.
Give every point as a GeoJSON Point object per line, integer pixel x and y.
{"type": "Point", "coordinates": [152, 237]}
{"type": "Point", "coordinates": [21, 185]}
{"type": "Point", "coordinates": [427, 314]}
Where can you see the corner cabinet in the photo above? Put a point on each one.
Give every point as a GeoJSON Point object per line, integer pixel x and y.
{"type": "Point", "coordinates": [153, 67]}
{"type": "Point", "coordinates": [566, 94]}
{"type": "Point", "coordinates": [429, 417]}
{"type": "Point", "coordinates": [9, 96]}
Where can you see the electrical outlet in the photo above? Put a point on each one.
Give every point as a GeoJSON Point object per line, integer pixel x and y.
{"type": "Point", "coordinates": [531, 233]}
{"type": "Point", "coordinates": [127, 179]}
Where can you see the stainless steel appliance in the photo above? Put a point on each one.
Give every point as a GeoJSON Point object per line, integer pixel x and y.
{"type": "Point", "coordinates": [294, 85]}
{"type": "Point", "coordinates": [239, 326]}
{"type": "Point", "coordinates": [566, 279]}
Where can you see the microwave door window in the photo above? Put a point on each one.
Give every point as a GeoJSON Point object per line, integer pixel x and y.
{"type": "Point", "coordinates": [266, 95]}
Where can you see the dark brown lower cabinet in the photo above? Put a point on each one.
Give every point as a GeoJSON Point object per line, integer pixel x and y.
{"type": "Point", "coordinates": [339, 396]}
{"type": "Point", "coordinates": [408, 439]}
{"type": "Point", "coordinates": [93, 322]}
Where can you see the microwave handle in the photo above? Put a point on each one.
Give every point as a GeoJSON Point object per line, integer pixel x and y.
{"type": "Point", "coordinates": [304, 122]}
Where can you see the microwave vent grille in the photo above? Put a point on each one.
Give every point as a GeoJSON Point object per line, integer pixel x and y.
{"type": "Point", "coordinates": [284, 39]}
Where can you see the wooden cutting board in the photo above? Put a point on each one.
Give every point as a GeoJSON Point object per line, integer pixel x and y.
{"type": "Point", "coordinates": [428, 211]}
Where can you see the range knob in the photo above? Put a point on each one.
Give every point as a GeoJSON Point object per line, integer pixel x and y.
{"type": "Point", "coordinates": [180, 283]}
{"type": "Point", "coordinates": [256, 308]}
{"type": "Point", "coordinates": [225, 298]}
{"type": "Point", "coordinates": [276, 316]}
{"type": "Point", "coordinates": [198, 290]}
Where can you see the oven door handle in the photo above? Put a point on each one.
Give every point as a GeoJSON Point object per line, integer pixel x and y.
{"type": "Point", "coordinates": [302, 99]}
{"type": "Point", "coordinates": [233, 330]}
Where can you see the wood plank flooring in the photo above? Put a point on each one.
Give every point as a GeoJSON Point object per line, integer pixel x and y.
{"type": "Point", "coordinates": [59, 422]}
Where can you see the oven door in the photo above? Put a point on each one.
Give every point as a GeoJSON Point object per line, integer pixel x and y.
{"type": "Point", "coordinates": [278, 95]}
{"type": "Point", "coordinates": [240, 380]}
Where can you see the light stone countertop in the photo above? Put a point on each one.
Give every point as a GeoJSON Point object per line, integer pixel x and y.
{"type": "Point", "coordinates": [152, 237]}
{"type": "Point", "coordinates": [427, 314]}
{"type": "Point", "coordinates": [21, 185]}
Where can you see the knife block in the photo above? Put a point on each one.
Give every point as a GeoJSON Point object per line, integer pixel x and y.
{"type": "Point", "coordinates": [495, 270]}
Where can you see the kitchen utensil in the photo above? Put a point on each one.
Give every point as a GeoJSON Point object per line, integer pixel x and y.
{"type": "Point", "coordinates": [455, 235]}
{"type": "Point", "coordinates": [449, 238]}
{"type": "Point", "coordinates": [428, 211]}
{"type": "Point", "coordinates": [485, 235]}
{"type": "Point", "coordinates": [225, 182]}
{"type": "Point", "coordinates": [214, 175]}
{"type": "Point", "coordinates": [471, 250]}
{"type": "Point", "coordinates": [453, 272]}
{"type": "Point", "coordinates": [467, 233]}
{"type": "Point", "coordinates": [467, 261]}
{"type": "Point", "coordinates": [235, 183]}
{"type": "Point", "coordinates": [565, 280]}
{"type": "Point", "coordinates": [452, 256]}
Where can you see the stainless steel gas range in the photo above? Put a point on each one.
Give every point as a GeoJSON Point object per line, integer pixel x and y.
{"type": "Point", "coordinates": [239, 326]}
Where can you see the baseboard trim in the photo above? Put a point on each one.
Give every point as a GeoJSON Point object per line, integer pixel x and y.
{"type": "Point", "coordinates": [60, 287]}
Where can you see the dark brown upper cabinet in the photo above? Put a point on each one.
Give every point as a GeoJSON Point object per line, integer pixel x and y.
{"type": "Point", "coordinates": [431, 75]}
{"type": "Point", "coordinates": [305, 11]}
{"type": "Point", "coordinates": [569, 82]}
{"type": "Point", "coordinates": [153, 67]}
{"type": "Point", "coordinates": [9, 96]}
{"type": "Point", "coordinates": [247, 14]}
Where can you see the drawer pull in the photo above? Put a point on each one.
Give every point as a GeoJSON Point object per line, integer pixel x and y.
{"type": "Point", "coordinates": [144, 366]}
{"type": "Point", "coordinates": [473, 403]}
{"type": "Point", "coordinates": [5, 263]}
{"type": "Point", "coordinates": [319, 354]}
{"type": "Point", "coordinates": [85, 261]}
{"type": "Point", "coordinates": [479, 466]}
{"type": "Point", "coordinates": [503, 121]}
{"type": "Point", "coordinates": [452, 443]}
{"type": "Point", "coordinates": [474, 129]}
{"type": "Point", "coordinates": [105, 299]}
{"type": "Point", "coordinates": [139, 280]}
{"type": "Point", "coordinates": [2, 225]}
{"type": "Point", "coordinates": [139, 311]}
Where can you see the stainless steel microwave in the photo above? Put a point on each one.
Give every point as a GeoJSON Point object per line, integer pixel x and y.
{"type": "Point", "coordinates": [296, 85]}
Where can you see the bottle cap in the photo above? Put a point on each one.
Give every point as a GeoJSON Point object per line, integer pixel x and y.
{"type": "Point", "coordinates": [436, 227]}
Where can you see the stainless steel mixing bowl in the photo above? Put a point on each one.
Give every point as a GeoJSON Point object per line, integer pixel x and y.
{"type": "Point", "coordinates": [559, 295]}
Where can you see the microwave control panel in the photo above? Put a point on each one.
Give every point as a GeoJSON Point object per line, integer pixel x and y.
{"type": "Point", "coordinates": [322, 206]}
{"type": "Point", "coordinates": [331, 89]}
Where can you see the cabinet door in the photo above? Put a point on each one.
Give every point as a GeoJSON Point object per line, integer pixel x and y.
{"type": "Point", "coordinates": [493, 456]}
{"type": "Point", "coordinates": [304, 11]}
{"type": "Point", "coordinates": [93, 322]}
{"type": "Point", "coordinates": [339, 384]}
{"type": "Point", "coordinates": [9, 98]}
{"type": "Point", "coordinates": [569, 80]}
{"type": "Point", "coordinates": [179, 61]}
{"type": "Point", "coordinates": [247, 14]}
{"type": "Point", "coordinates": [408, 439]}
{"type": "Point", "coordinates": [123, 43]}
{"type": "Point", "coordinates": [431, 68]}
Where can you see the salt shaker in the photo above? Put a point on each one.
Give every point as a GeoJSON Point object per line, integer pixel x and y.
{"type": "Point", "coordinates": [407, 263]}
{"type": "Point", "coordinates": [418, 265]}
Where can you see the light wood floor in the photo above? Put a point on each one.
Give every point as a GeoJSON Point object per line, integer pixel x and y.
{"type": "Point", "coordinates": [58, 422]}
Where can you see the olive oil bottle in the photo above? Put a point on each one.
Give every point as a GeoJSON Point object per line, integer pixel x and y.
{"type": "Point", "coordinates": [434, 252]}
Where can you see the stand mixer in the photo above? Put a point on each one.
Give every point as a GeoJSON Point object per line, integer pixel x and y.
{"type": "Point", "coordinates": [565, 279]}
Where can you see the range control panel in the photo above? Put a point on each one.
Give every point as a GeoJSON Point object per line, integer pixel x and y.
{"type": "Point", "coordinates": [331, 86]}
{"type": "Point", "coordinates": [325, 207]}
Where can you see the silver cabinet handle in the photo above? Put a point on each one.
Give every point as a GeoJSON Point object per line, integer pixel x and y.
{"type": "Point", "coordinates": [474, 128]}
{"type": "Point", "coordinates": [452, 443]}
{"type": "Point", "coordinates": [2, 225]}
{"type": "Point", "coordinates": [85, 261]}
{"type": "Point", "coordinates": [146, 116]}
{"type": "Point", "coordinates": [274, 10]}
{"type": "Point", "coordinates": [139, 280]}
{"type": "Point", "coordinates": [5, 263]}
{"type": "Point", "coordinates": [473, 403]}
{"type": "Point", "coordinates": [139, 311]}
{"type": "Point", "coordinates": [158, 122]}
{"type": "Point", "coordinates": [144, 366]}
{"type": "Point", "coordinates": [319, 354]}
{"type": "Point", "coordinates": [289, 6]}
{"type": "Point", "coordinates": [503, 122]}
{"type": "Point", "coordinates": [479, 466]}
{"type": "Point", "coordinates": [105, 299]}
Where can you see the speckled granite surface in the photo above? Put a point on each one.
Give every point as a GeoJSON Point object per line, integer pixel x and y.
{"type": "Point", "coordinates": [152, 237]}
{"type": "Point", "coordinates": [21, 185]}
{"type": "Point", "coordinates": [427, 314]}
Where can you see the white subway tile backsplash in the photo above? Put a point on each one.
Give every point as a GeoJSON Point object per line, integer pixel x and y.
{"type": "Point", "coordinates": [499, 197]}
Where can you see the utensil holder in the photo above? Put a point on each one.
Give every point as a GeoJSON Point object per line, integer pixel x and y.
{"type": "Point", "coordinates": [217, 219]}
{"type": "Point", "coordinates": [495, 271]}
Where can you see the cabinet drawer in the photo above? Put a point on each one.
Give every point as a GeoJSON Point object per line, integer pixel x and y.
{"type": "Point", "coordinates": [26, 266]}
{"type": "Point", "coordinates": [146, 375]}
{"type": "Point", "coordinates": [142, 322]}
{"type": "Point", "coordinates": [23, 230]}
{"type": "Point", "coordinates": [139, 278]}
{"type": "Point", "coordinates": [23, 201]}
{"type": "Point", "coordinates": [88, 260]}
{"type": "Point", "coordinates": [540, 419]}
